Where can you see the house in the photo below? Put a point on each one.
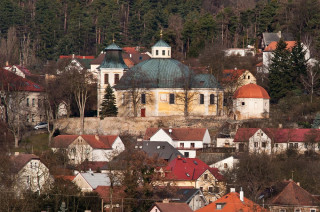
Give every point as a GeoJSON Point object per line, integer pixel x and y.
{"type": "Point", "coordinates": [90, 181]}
{"type": "Point", "coordinates": [186, 140]}
{"type": "Point", "coordinates": [290, 196]}
{"type": "Point", "coordinates": [18, 70]}
{"type": "Point", "coordinates": [161, 149]}
{"type": "Point", "coordinates": [235, 78]}
{"type": "Point", "coordinates": [169, 207]}
{"type": "Point", "coordinates": [22, 99]}
{"type": "Point", "coordinates": [193, 172]}
{"type": "Point", "coordinates": [276, 140]}
{"type": "Point", "coordinates": [88, 147]}
{"type": "Point", "coordinates": [162, 86]}
{"type": "Point", "coordinates": [192, 196]}
{"type": "Point", "coordinates": [242, 52]}
{"type": "Point", "coordinates": [268, 37]}
{"type": "Point", "coordinates": [226, 164]}
{"type": "Point", "coordinates": [78, 62]}
{"type": "Point", "coordinates": [233, 201]}
{"type": "Point", "coordinates": [116, 196]}
{"type": "Point", "coordinates": [251, 101]}
{"type": "Point", "coordinates": [30, 173]}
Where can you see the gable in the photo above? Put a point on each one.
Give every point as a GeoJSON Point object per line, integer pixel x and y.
{"type": "Point", "coordinates": [161, 135]}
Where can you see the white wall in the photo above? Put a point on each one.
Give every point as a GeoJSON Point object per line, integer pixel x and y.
{"type": "Point", "coordinates": [225, 142]}
{"type": "Point", "coordinates": [225, 164]}
{"type": "Point", "coordinates": [252, 108]}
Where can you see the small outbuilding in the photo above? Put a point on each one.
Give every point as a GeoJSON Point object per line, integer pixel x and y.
{"type": "Point", "coordinates": [251, 101]}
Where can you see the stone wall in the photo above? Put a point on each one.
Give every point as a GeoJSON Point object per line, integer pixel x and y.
{"type": "Point", "coordinates": [135, 126]}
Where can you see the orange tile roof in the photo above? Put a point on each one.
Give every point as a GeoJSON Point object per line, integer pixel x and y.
{"type": "Point", "coordinates": [251, 91]}
{"type": "Point", "coordinates": [231, 202]}
{"type": "Point", "coordinates": [230, 75]}
{"type": "Point", "coordinates": [273, 45]}
{"type": "Point", "coordinates": [179, 134]}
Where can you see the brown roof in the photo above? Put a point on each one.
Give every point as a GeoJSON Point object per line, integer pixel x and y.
{"type": "Point", "coordinates": [65, 177]}
{"type": "Point", "coordinates": [293, 194]}
{"type": "Point", "coordinates": [172, 206]}
{"type": "Point", "coordinates": [104, 193]}
{"type": "Point", "coordinates": [95, 141]}
{"type": "Point", "coordinates": [19, 161]}
{"type": "Point", "coordinates": [98, 60]}
{"type": "Point", "coordinates": [179, 134]}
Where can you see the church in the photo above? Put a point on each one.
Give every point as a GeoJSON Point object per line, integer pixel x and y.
{"type": "Point", "coordinates": [162, 86]}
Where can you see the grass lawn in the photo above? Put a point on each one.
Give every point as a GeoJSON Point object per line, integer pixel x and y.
{"type": "Point", "coordinates": [35, 143]}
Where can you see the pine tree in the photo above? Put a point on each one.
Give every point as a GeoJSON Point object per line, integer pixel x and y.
{"type": "Point", "coordinates": [316, 122]}
{"type": "Point", "coordinates": [108, 106]}
{"type": "Point", "coordinates": [280, 76]}
{"type": "Point", "coordinates": [298, 63]}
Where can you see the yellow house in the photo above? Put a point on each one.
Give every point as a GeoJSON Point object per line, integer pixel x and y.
{"type": "Point", "coordinates": [192, 172]}
{"type": "Point", "coordinates": [162, 86]}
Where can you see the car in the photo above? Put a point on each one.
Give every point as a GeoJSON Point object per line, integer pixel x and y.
{"type": "Point", "coordinates": [41, 125]}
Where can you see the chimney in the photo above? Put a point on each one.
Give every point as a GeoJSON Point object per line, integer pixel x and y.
{"type": "Point", "coordinates": [232, 190]}
{"type": "Point", "coordinates": [16, 153]}
{"type": "Point", "coordinates": [241, 195]}
{"type": "Point", "coordinates": [165, 201]}
{"type": "Point", "coordinates": [179, 157]}
{"type": "Point", "coordinates": [235, 68]}
{"type": "Point", "coordinates": [279, 34]}
{"type": "Point", "coordinates": [298, 183]}
{"type": "Point", "coordinates": [96, 137]}
{"type": "Point", "coordinates": [72, 56]}
{"type": "Point", "coordinates": [130, 55]}
{"type": "Point", "coordinates": [170, 130]}
{"type": "Point", "coordinates": [280, 126]}
{"type": "Point", "coordinates": [7, 63]}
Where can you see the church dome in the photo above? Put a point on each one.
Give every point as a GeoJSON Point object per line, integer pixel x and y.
{"type": "Point", "coordinates": [113, 58]}
{"type": "Point", "coordinates": [251, 91]}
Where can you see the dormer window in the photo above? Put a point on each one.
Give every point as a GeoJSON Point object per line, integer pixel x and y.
{"type": "Point", "coordinates": [219, 206]}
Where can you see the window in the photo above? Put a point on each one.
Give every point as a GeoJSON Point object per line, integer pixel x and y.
{"type": "Point", "coordinates": [313, 210]}
{"type": "Point", "coordinates": [192, 145]}
{"type": "Point", "coordinates": [261, 134]}
{"type": "Point", "coordinates": [168, 52]}
{"type": "Point", "coordinates": [171, 99]}
{"type": "Point", "coordinates": [27, 102]}
{"type": "Point", "coordinates": [201, 99]}
{"type": "Point", "coordinates": [256, 144]}
{"type": "Point", "coordinates": [201, 188]}
{"type": "Point", "coordinates": [291, 145]}
{"type": "Point", "coordinates": [210, 189]}
{"type": "Point", "coordinates": [248, 77]}
{"type": "Point", "coordinates": [219, 206]}
{"type": "Point", "coordinates": [163, 52]}
{"type": "Point", "coordinates": [205, 176]}
{"type": "Point", "coordinates": [157, 52]}
{"type": "Point", "coordinates": [282, 210]}
{"type": "Point", "coordinates": [243, 103]}
{"type": "Point", "coordinates": [211, 99]}
{"type": "Point", "coordinates": [27, 117]}
{"type": "Point", "coordinates": [319, 145]}
{"type": "Point", "coordinates": [116, 78]}
{"type": "Point", "coordinates": [276, 145]}
{"type": "Point", "coordinates": [244, 76]}
{"type": "Point", "coordinates": [225, 165]}
{"type": "Point", "coordinates": [264, 144]}
{"type": "Point", "coordinates": [305, 145]}
{"type": "Point", "coordinates": [33, 102]}
{"type": "Point", "coordinates": [106, 79]}
{"type": "Point", "coordinates": [39, 103]}
{"type": "Point", "coordinates": [296, 145]}
{"type": "Point", "coordinates": [297, 210]}
{"type": "Point", "coordinates": [181, 145]}
{"type": "Point", "coordinates": [143, 98]}
{"type": "Point", "coordinates": [186, 154]}
{"type": "Point", "coordinates": [32, 118]}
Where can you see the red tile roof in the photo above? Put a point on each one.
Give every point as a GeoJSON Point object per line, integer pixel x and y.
{"type": "Point", "coordinates": [231, 75]}
{"type": "Point", "coordinates": [231, 202]}
{"type": "Point", "coordinates": [189, 169]}
{"type": "Point", "coordinates": [293, 194]}
{"type": "Point", "coordinates": [179, 134]}
{"type": "Point", "coordinates": [14, 82]}
{"type": "Point", "coordinates": [19, 161]}
{"type": "Point", "coordinates": [95, 141]}
{"type": "Point", "coordinates": [104, 193]}
{"type": "Point", "coordinates": [251, 91]}
{"type": "Point", "coordinates": [273, 45]}
{"type": "Point", "coordinates": [279, 135]}
{"type": "Point", "coordinates": [172, 206]}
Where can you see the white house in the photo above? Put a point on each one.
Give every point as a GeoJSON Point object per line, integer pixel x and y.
{"type": "Point", "coordinates": [225, 164]}
{"type": "Point", "coordinates": [30, 173]}
{"type": "Point", "coordinates": [240, 51]}
{"type": "Point", "coordinates": [276, 140]}
{"type": "Point", "coordinates": [251, 101]}
{"type": "Point", "coordinates": [18, 70]}
{"type": "Point", "coordinates": [89, 181]}
{"type": "Point", "coordinates": [186, 140]}
{"type": "Point", "coordinates": [88, 147]}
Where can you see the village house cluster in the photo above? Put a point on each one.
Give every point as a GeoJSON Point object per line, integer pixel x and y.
{"type": "Point", "coordinates": [163, 86]}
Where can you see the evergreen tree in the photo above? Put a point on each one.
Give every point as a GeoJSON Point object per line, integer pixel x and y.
{"type": "Point", "coordinates": [108, 106]}
{"type": "Point", "coordinates": [316, 122]}
{"type": "Point", "coordinates": [298, 63]}
{"type": "Point", "coordinates": [280, 77]}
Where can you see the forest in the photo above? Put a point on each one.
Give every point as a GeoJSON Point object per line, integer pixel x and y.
{"type": "Point", "coordinates": [33, 32]}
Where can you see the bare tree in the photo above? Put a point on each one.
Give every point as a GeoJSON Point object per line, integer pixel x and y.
{"type": "Point", "coordinates": [9, 47]}
{"type": "Point", "coordinates": [311, 81]}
